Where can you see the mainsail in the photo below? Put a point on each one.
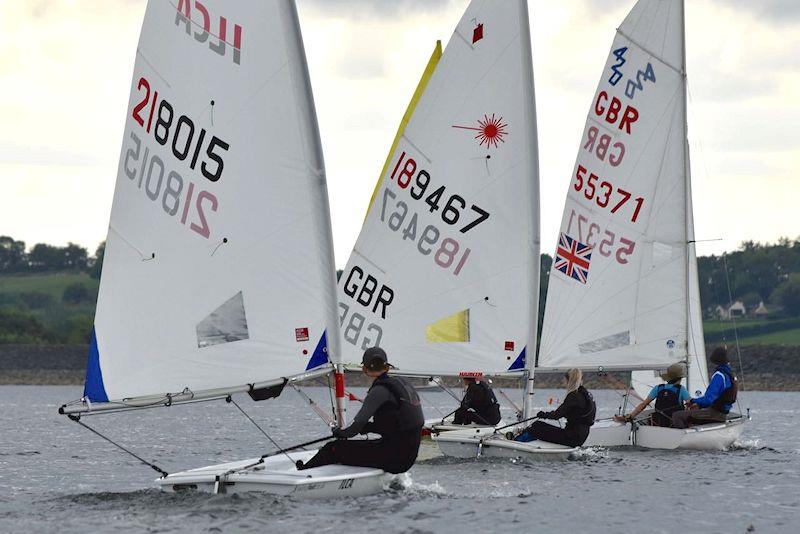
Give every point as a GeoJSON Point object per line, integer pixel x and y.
{"type": "Point", "coordinates": [444, 274]}
{"type": "Point", "coordinates": [623, 289]}
{"type": "Point", "coordinates": [218, 267]}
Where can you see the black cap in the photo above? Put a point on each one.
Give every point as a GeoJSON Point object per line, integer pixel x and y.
{"type": "Point", "coordinates": [719, 356]}
{"type": "Point", "coordinates": [374, 359]}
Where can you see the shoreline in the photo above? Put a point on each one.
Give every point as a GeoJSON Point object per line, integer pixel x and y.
{"type": "Point", "coordinates": [764, 368]}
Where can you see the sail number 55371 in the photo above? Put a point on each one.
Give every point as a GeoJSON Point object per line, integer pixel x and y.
{"type": "Point", "coordinates": [601, 193]}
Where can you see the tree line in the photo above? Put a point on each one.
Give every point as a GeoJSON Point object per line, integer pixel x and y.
{"type": "Point", "coordinates": [43, 258]}
{"type": "Point", "coordinates": [753, 273]}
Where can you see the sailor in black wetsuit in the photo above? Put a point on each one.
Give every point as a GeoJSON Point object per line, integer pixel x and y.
{"type": "Point", "coordinates": [395, 408]}
{"type": "Point", "coordinates": [578, 409]}
{"type": "Point", "coordinates": [479, 405]}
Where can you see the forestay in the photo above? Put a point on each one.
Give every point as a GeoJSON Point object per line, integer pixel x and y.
{"type": "Point", "coordinates": [218, 267]}
{"type": "Point", "coordinates": [619, 291]}
{"type": "Point", "coordinates": [444, 274]}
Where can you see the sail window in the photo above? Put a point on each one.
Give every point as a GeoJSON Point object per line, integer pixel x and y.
{"type": "Point", "coordinates": [225, 324]}
{"type": "Point", "coordinates": [613, 341]}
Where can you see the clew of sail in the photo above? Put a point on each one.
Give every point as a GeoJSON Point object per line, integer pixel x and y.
{"type": "Point", "coordinates": [617, 294]}
{"type": "Point", "coordinates": [445, 270]}
{"type": "Point", "coordinates": [218, 268]}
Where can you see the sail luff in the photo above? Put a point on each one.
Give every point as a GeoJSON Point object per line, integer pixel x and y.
{"type": "Point", "coordinates": [529, 107]}
{"type": "Point", "coordinates": [322, 217]}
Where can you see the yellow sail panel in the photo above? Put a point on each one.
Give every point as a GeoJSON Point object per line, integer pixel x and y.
{"type": "Point", "coordinates": [423, 82]}
{"type": "Point", "coordinates": [451, 329]}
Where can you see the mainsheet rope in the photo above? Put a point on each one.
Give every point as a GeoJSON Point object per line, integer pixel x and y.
{"type": "Point", "coordinates": [154, 467]}
{"type": "Point", "coordinates": [230, 399]}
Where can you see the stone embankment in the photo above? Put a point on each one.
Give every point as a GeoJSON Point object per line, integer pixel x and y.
{"type": "Point", "coordinates": [764, 368]}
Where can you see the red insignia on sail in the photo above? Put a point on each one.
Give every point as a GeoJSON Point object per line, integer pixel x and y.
{"type": "Point", "coordinates": [509, 345]}
{"type": "Point", "coordinates": [301, 334]}
{"type": "Point", "coordinates": [491, 130]}
{"type": "Point", "coordinates": [477, 33]}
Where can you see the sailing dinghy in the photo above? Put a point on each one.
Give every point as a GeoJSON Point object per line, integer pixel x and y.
{"type": "Point", "coordinates": [623, 293]}
{"type": "Point", "coordinates": [445, 272]}
{"type": "Point", "coordinates": [218, 276]}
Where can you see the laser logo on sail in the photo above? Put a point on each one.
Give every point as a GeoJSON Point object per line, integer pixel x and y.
{"type": "Point", "coordinates": [491, 130]}
{"type": "Point", "coordinates": [197, 22]}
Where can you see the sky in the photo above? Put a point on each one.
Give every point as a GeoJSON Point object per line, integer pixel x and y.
{"type": "Point", "coordinates": [66, 65]}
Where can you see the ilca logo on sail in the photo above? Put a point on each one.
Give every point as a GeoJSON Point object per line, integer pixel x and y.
{"type": "Point", "coordinates": [197, 22]}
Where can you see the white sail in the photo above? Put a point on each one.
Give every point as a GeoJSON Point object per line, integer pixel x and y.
{"type": "Point", "coordinates": [218, 267]}
{"type": "Point", "coordinates": [444, 274]}
{"type": "Point", "coordinates": [618, 292]}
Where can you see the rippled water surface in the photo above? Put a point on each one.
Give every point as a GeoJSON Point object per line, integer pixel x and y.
{"type": "Point", "coordinates": [56, 476]}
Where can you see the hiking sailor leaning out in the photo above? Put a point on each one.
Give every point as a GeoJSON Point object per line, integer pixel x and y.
{"type": "Point", "coordinates": [479, 404]}
{"type": "Point", "coordinates": [578, 409]}
{"type": "Point", "coordinates": [718, 399]}
{"type": "Point", "coordinates": [395, 408]}
{"type": "Point", "coordinates": [669, 398]}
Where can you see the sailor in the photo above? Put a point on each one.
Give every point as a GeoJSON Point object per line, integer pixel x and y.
{"type": "Point", "coordinates": [479, 404]}
{"type": "Point", "coordinates": [718, 399]}
{"type": "Point", "coordinates": [578, 409]}
{"type": "Point", "coordinates": [669, 398]}
{"type": "Point", "coordinates": [395, 408]}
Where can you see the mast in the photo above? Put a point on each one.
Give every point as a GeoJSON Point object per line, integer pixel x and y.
{"type": "Point", "coordinates": [687, 187]}
{"type": "Point", "coordinates": [529, 103]}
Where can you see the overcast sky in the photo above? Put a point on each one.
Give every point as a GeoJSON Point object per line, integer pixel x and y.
{"type": "Point", "coordinates": [65, 69]}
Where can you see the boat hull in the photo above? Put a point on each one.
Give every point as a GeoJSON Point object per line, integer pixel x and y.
{"type": "Point", "coordinates": [278, 476]}
{"type": "Point", "coordinates": [708, 437]}
{"type": "Point", "coordinates": [483, 443]}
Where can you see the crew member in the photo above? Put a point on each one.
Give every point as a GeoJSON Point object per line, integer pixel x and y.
{"type": "Point", "coordinates": [397, 417]}
{"type": "Point", "coordinates": [579, 410]}
{"type": "Point", "coordinates": [718, 399]}
{"type": "Point", "coordinates": [669, 398]}
{"type": "Point", "coordinates": [479, 404]}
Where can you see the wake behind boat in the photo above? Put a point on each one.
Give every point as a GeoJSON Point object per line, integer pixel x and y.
{"type": "Point", "coordinates": [218, 276]}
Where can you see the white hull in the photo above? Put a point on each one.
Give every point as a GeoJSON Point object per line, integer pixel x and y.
{"type": "Point", "coordinates": [709, 437]}
{"type": "Point", "coordinates": [447, 425]}
{"type": "Point", "coordinates": [278, 476]}
{"type": "Point", "coordinates": [483, 443]}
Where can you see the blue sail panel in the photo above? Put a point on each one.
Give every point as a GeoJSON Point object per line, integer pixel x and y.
{"type": "Point", "coordinates": [93, 387]}
{"type": "Point", "coordinates": [519, 363]}
{"type": "Point", "coordinates": [320, 355]}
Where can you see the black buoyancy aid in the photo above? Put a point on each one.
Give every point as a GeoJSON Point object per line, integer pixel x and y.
{"type": "Point", "coordinates": [402, 415]}
{"type": "Point", "coordinates": [587, 416]}
{"type": "Point", "coordinates": [668, 401]}
{"type": "Point", "coordinates": [487, 407]}
{"type": "Point", "coordinates": [728, 396]}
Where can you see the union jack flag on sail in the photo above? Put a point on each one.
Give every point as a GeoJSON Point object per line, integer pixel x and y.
{"type": "Point", "coordinates": [572, 258]}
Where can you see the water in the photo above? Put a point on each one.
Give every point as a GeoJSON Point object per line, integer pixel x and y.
{"type": "Point", "coordinates": [56, 476]}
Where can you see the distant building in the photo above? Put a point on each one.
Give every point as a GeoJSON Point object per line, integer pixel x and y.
{"type": "Point", "coordinates": [761, 310]}
{"type": "Point", "coordinates": [734, 311]}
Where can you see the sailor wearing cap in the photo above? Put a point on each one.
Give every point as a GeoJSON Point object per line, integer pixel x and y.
{"type": "Point", "coordinates": [669, 398]}
{"type": "Point", "coordinates": [396, 413]}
